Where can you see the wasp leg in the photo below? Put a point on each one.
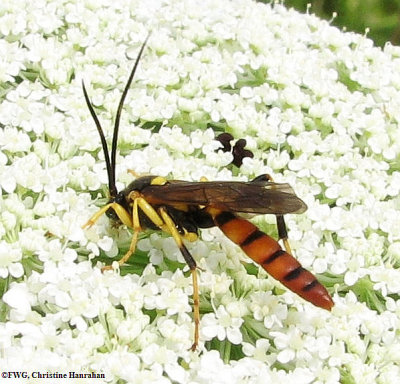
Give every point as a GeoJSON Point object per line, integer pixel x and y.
{"type": "Point", "coordinates": [135, 224]}
{"type": "Point", "coordinates": [133, 173]}
{"type": "Point", "coordinates": [263, 179]}
{"type": "Point", "coordinates": [164, 221]}
{"type": "Point", "coordinates": [189, 236]}
{"type": "Point", "coordinates": [192, 266]}
{"type": "Point", "coordinates": [149, 211]}
{"type": "Point", "coordinates": [280, 221]}
{"type": "Point", "coordinates": [119, 210]}
{"type": "Point", "coordinates": [282, 233]}
{"type": "Point", "coordinates": [127, 255]}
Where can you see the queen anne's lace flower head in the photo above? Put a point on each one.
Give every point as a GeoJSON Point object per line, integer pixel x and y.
{"type": "Point", "coordinates": [318, 109]}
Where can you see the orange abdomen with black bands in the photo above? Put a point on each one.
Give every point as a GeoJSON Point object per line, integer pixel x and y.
{"type": "Point", "coordinates": [267, 252]}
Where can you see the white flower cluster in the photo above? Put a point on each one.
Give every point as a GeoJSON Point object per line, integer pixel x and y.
{"type": "Point", "coordinates": [319, 109]}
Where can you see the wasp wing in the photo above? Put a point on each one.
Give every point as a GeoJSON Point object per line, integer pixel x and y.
{"type": "Point", "coordinates": [247, 197]}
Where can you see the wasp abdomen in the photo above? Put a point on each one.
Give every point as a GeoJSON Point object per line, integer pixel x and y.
{"type": "Point", "coordinates": [267, 252]}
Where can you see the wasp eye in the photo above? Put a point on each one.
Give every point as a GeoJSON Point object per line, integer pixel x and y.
{"type": "Point", "coordinates": [112, 215]}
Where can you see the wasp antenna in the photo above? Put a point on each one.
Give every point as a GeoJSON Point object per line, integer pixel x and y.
{"type": "Point", "coordinates": [111, 164]}
{"type": "Point", "coordinates": [119, 110]}
{"type": "Point", "coordinates": [110, 170]}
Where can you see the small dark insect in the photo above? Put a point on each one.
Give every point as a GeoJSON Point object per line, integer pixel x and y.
{"type": "Point", "coordinates": [238, 150]}
{"type": "Point", "coordinates": [180, 208]}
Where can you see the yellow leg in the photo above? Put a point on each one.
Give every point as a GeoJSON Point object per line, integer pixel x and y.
{"type": "Point", "coordinates": [192, 265]}
{"type": "Point", "coordinates": [287, 246]}
{"type": "Point", "coordinates": [136, 229]}
{"type": "Point", "coordinates": [196, 309]}
{"type": "Point", "coordinates": [127, 255]}
{"type": "Point", "coordinates": [134, 222]}
{"type": "Point", "coordinates": [133, 173]}
{"type": "Point", "coordinates": [152, 214]}
{"type": "Point", "coordinates": [119, 210]}
{"type": "Point", "coordinates": [190, 236]}
{"type": "Point", "coordinates": [162, 220]}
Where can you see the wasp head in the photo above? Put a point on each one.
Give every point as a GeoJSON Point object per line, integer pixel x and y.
{"type": "Point", "coordinates": [121, 200]}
